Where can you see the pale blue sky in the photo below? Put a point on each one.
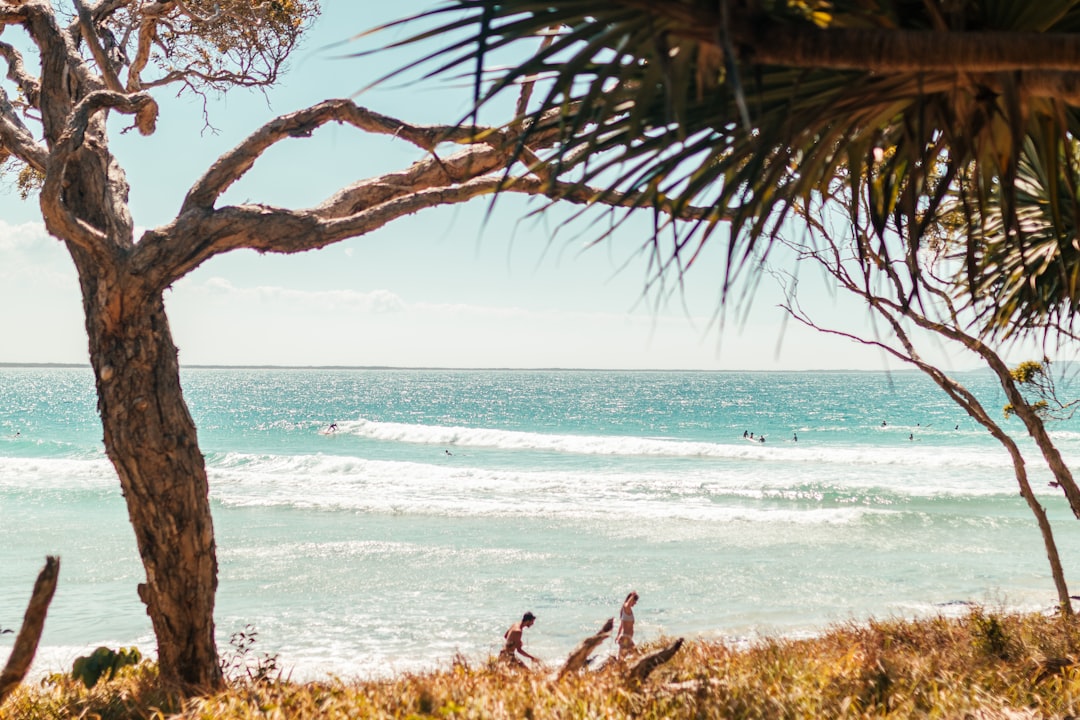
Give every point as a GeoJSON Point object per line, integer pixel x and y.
{"type": "Point", "coordinates": [441, 288]}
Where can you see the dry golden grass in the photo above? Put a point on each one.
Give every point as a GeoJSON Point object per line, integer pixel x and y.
{"type": "Point", "coordinates": [983, 666]}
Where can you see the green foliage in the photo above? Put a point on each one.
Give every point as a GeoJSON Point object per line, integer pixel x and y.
{"type": "Point", "coordinates": [669, 100]}
{"type": "Point", "coordinates": [103, 663]}
{"type": "Point", "coordinates": [989, 634]}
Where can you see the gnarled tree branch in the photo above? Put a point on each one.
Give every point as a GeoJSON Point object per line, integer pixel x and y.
{"type": "Point", "coordinates": [233, 165]}
{"type": "Point", "coordinates": [26, 643]}
{"type": "Point", "coordinates": [86, 26]}
{"type": "Point", "coordinates": [201, 232]}
{"type": "Point", "coordinates": [16, 137]}
{"type": "Point", "coordinates": [27, 83]}
{"type": "Point", "coordinates": [62, 222]}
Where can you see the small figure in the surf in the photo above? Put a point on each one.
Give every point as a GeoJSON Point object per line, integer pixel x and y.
{"type": "Point", "coordinates": [332, 428]}
{"type": "Point", "coordinates": [883, 423]}
{"type": "Point", "coordinates": [761, 439]}
{"type": "Point", "coordinates": [751, 436]}
{"type": "Point", "coordinates": [624, 638]}
{"type": "Point", "coordinates": [745, 434]}
{"type": "Point", "coordinates": [513, 646]}
{"type": "Point", "coordinates": [911, 436]}
{"type": "Point", "coordinates": [794, 437]}
{"type": "Point", "coordinates": [448, 452]}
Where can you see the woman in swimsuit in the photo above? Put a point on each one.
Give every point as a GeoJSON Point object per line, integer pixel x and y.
{"type": "Point", "coordinates": [625, 637]}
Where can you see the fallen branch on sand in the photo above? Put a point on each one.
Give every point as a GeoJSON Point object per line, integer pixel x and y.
{"type": "Point", "coordinates": [580, 656]}
{"type": "Point", "coordinates": [641, 670]}
{"type": "Point", "coordinates": [26, 643]}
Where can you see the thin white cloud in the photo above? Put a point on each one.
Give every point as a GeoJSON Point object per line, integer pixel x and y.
{"type": "Point", "coordinates": [380, 302]}
{"type": "Point", "coordinates": [24, 235]}
{"type": "Point", "coordinates": [373, 302]}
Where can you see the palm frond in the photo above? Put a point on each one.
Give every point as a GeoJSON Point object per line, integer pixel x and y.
{"type": "Point", "coordinates": [658, 99]}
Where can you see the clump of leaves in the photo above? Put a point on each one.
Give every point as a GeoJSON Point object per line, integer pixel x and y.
{"type": "Point", "coordinates": [242, 663]}
{"type": "Point", "coordinates": [1040, 390]}
{"type": "Point", "coordinates": [103, 663]}
{"type": "Point", "coordinates": [989, 634]}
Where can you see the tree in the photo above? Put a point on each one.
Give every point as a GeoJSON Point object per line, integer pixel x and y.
{"type": "Point", "coordinates": [913, 119]}
{"type": "Point", "coordinates": [916, 120]}
{"type": "Point", "coordinates": [107, 58]}
{"type": "Point", "coordinates": [884, 286]}
{"type": "Point", "coordinates": [753, 107]}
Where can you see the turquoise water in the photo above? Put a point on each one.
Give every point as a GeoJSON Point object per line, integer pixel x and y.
{"type": "Point", "coordinates": [449, 502]}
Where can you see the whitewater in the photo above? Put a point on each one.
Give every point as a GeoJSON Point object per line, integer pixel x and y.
{"type": "Point", "coordinates": [445, 503]}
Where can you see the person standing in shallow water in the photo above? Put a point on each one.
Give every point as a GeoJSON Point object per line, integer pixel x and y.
{"type": "Point", "coordinates": [509, 653]}
{"type": "Point", "coordinates": [624, 638]}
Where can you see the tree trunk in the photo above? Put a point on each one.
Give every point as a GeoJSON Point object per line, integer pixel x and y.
{"type": "Point", "coordinates": [151, 440]}
{"type": "Point", "coordinates": [1019, 467]}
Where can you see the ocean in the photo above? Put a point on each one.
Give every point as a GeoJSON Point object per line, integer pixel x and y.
{"type": "Point", "coordinates": [449, 502]}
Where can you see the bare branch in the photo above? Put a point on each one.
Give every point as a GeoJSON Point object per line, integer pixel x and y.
{"type": "Point", "coordinates": [105, 8]}
{"type": "Point", "coordinates": [26, 643]}
{"type": "Point", "coordinates": [17, 139]}
{"type": "Point", "coordinates": [891, 312]}
{"type": "Point", "coordinates": [529, 82]}
{"type": "Point", "coordinates": [86, 24]}
{"type": "Point", "coordinates": [199, 18]}
{"type": "Point", "coordinates": [172, 251]}
{"type": "Point", "coordinates": [233, 165]}
{"type": "Point", "coordinates": [12, 14]}
{"type": "Point", "coordinates": [151, 15]}
{"type": "Point", "coordinates": [27, 83]}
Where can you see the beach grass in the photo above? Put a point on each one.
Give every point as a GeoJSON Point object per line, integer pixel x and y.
{"type": "Point", "coordinates": [983, 665]}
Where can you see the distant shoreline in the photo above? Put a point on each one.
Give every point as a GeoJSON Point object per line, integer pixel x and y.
{"type": "Point", "coordinates": [47, 365]}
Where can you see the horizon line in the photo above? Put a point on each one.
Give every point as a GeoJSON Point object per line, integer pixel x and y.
{"type": "Point", "coordinates": [271, 366]}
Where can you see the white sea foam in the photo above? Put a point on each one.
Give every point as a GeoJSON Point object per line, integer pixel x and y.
{"type": "Point", "coordinates": [26, 474]}
{"type": "Point", "coordinates": [915, 454]}
{"type": "Point", "coordinates": [708, 492]}
{"type": "Point", "coordinates": [357, 549]}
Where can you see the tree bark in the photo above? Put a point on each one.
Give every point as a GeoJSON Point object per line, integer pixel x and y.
{"type": "Point", "coordinates": [152, 442]}
{"type": "Point", "coordinates": [26, 643]}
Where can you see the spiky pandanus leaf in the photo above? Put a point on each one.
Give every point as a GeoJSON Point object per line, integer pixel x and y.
{"type": "Point", "coordinates": [757, 108]}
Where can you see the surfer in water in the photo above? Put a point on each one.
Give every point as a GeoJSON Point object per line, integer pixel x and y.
{"type": "Point", "coordinates": [332, 428]}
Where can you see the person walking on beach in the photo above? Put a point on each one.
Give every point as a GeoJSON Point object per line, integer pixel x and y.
{"type": "Point", "coordinates": [509, 653]}
{"type": "Point", "coordinates": [624, 638]}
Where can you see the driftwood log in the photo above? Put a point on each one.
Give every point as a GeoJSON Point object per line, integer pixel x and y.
{"type": "Point", "coordinates": [26, 642]}
{"type": "Point", "coordinates": [641, 670]}
{"type": "Point", "coordinates": [580, 656]}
